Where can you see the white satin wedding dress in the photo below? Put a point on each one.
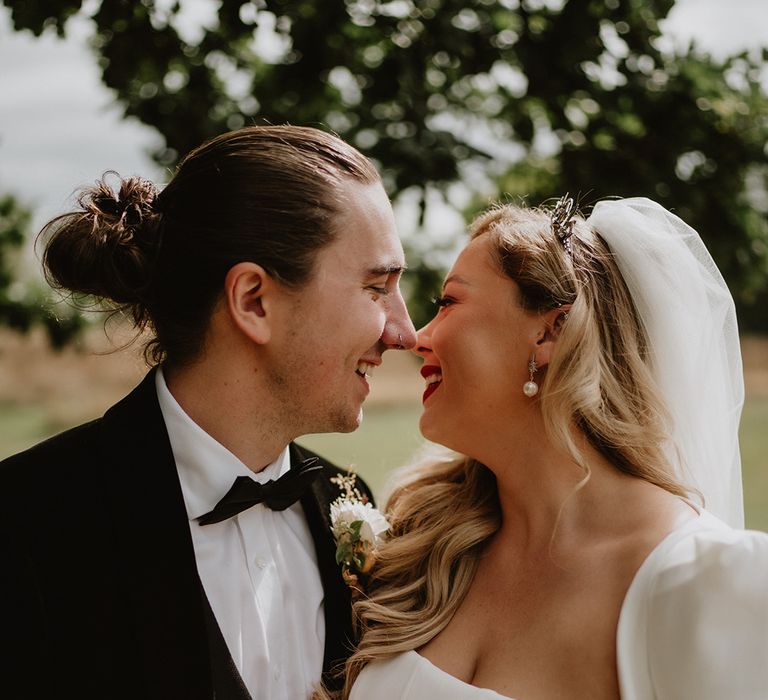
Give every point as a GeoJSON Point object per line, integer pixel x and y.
{"type": "Point", "coordinates": [693, 626]}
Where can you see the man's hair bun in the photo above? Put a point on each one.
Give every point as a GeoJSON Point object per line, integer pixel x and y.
{"type": "Point", "coordinates": [107, 248]}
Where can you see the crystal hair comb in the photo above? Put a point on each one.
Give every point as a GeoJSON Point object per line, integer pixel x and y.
{"type": "Point", "coordinates": [562, 223]}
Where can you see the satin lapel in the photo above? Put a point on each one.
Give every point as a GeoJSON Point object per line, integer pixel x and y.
{"type": "Point", "coordinates": [337, 604]}
{"type": "Point", "coordinates": [156, 548]}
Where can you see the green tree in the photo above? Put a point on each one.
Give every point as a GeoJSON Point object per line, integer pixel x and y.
{"type": "Point", "coordinates": [686, 131]}
{"type": "Point", "coordinates": [22, 304]}
{"type": "Point", "coordinates": [510, 97]}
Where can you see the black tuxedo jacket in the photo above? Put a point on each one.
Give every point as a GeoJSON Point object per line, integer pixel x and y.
{"type": "Point", "coordinates": [98, 583]}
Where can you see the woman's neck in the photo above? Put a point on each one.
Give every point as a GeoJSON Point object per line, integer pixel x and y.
{"type": "Point", "coordinates": [548, 499]}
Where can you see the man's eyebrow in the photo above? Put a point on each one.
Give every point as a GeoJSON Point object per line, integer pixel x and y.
{"type": "Point", "coordinates": [381, 270]}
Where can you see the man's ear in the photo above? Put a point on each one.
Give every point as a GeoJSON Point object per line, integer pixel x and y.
{"type": "Point", "coordinates": [552, 325]}
{"type": "Point", "coordinates": [248, 291]}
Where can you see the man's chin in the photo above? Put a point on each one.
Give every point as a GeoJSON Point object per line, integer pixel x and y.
{"type": "Point", "coordinates": [351, 422]}
{"type": "Point", "coordinates": [342, 422]}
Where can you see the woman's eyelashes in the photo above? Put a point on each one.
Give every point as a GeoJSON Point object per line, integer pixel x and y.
{"type": "Point", "coordinates": [442, 301]}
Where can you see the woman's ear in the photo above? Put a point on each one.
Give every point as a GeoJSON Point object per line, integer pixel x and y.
{"type": "Point", "coordinates": [553, 322]}
{"type": "Point", "coordinates": [248, 292]}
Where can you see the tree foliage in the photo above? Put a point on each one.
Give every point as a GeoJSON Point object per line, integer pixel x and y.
{"type": "Point", "coordinates": [21, 304]}
{"type": "Point", "coordinates": [517, 98]}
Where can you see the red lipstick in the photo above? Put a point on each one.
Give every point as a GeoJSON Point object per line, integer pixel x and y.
{"type": "Point", "coordinates": [427, 371]}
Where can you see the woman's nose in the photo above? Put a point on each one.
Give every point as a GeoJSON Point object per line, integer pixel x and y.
{"type": "Point", "coordinates": [423, 341]}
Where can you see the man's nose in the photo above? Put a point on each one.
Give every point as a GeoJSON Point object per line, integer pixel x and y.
{"type": "Point", "coordinates": [400, 332]}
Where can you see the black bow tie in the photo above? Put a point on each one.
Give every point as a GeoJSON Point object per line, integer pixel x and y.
{"type": "Point", "coordinates": [275, 494]}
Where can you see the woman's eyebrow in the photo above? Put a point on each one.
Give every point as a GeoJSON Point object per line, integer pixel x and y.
{"type": "Point", "coordinates": [455, 278]}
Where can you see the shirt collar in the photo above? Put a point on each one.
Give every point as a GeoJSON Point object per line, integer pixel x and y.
{"type": "Point", "coordinates": [206, 468]}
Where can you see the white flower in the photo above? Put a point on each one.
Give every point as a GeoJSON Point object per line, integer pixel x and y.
{"type": "Point", "coordinates": [344, 512]}
{"type": "Point", "coordinates": [357, 528]}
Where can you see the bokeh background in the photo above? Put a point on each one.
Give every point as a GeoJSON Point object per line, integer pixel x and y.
{"type": "Point", "coordinates": [459, 102]}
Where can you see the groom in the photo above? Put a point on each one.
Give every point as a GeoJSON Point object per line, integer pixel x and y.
{"type": "Point", "coordinates": [139, 559]}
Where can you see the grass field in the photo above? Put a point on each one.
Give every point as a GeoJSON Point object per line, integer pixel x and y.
{"type": "Point", "coordinates": [754, 460]}
{"type": "Point", "coordinates": [389, 436]}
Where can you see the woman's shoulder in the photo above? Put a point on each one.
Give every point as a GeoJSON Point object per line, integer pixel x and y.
{"type": "Point", "coordinates": [696, 615]}
{"type": "Point", "coordinates": [703, 559]}
{"type": "Point", "coordinates": [704, 546]}
{"type": "Point", "coordinates": [707, 563]}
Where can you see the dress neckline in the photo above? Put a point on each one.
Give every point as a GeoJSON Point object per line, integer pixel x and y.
{"type": "Point", "coordinates": [702, 516]}
{"type": "Point", "coordinates": [437, 670]}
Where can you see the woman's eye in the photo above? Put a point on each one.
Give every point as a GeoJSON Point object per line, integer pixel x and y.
{"type": "Point", "coordinates": [442, 301]}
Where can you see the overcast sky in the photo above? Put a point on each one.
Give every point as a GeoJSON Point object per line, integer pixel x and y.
{"type": "Point", "coordinates": [59, 128]}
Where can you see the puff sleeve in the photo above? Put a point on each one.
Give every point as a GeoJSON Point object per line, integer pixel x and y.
{"type": "Point", "coordinates": [707, 618]}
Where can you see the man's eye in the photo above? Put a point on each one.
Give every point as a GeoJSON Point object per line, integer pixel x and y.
{"type": "Point", "coordinates": [379, 290]}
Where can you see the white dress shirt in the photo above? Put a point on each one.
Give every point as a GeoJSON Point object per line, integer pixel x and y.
{"type": "Point", "coordinates": [258, 568]}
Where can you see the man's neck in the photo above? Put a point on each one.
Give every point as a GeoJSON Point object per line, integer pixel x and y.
{"type": "Point", "coordinates": [230, 411]}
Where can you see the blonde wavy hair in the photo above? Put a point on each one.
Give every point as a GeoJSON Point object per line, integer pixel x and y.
{"type": "Point", "coordinates": [444, 511]}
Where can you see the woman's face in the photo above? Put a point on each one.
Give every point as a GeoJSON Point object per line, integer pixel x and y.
{"type": "Point", "coordinates": [476, 352]}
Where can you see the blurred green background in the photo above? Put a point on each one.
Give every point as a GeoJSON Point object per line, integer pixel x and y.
{"type": "Point", "coordinates": [458, 102]}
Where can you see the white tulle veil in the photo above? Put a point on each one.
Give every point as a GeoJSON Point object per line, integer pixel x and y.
{"type": "Point", "coordinates": [689, 317]}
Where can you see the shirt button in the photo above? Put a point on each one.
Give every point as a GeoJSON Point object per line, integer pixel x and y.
{"type": "Point", "coordinates": [260, 562]}
{"type": "Point", "coordinates": [276, 673]}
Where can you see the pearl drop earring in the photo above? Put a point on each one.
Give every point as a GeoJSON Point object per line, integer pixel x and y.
{"type": "Point", "coordinates": [531, 388]}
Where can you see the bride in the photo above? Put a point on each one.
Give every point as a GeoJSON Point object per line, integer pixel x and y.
{"type": "Point", "coordinates": [582, 538]}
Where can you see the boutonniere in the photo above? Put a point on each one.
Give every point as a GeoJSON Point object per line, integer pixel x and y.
{"type": "Point", "coordinates": [358, 529]}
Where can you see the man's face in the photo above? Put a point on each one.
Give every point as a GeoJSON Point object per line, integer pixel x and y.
{"type": "Point", "coordinates": [343, 320]}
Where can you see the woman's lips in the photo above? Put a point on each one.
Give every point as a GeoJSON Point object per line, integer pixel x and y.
{"type": "Point", "coordinates": [434, 377]}
{"type": "Point", "coordinates": [431, 389]}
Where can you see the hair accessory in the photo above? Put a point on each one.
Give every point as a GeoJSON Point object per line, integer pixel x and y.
{"type": "Point", "coordinates": [562, 223]}
{"type": "Point", "coordinates": [531, 388]}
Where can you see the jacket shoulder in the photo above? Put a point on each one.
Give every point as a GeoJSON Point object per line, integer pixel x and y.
{"type": "Point", "coordinates": [49, 475]}
{"type": "Point", "coordinates": [54, 449]}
